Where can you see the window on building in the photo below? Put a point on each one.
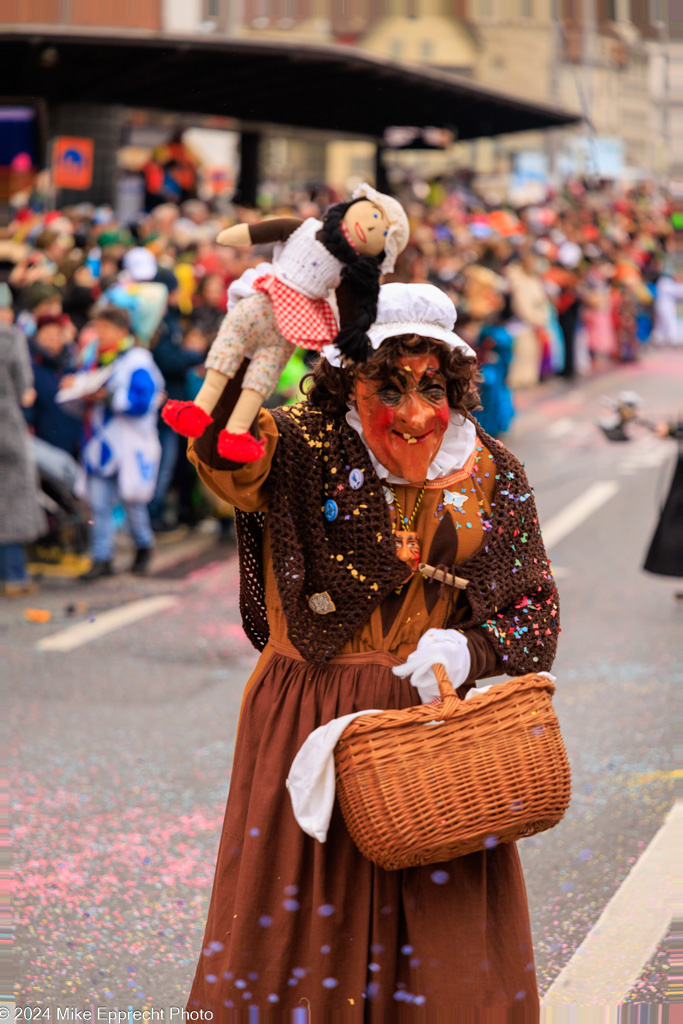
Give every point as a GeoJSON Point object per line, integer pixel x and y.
{"type": "Point", "coordinates": [486, 8]}
{"type": "Point", "coordinates": [426, 49]}
{"type": "Point", "coordinates": [526, 8]}
{"type": "Point", "coordinates": [370, 10]}
{"type": "Point", "coordinates": [213, 8]}
{"type": "Point", "coordinates": [396, 47]}
{"type": "Point", "coordinates": [352, 15]}
{"type": "Point", "coordinates": [606, 10]}
{"type": "Point", "coordinates": [646, 14]}
{"type": "Point", "coordinates": [254, 9]}
{"type": "Point", "coordinates": [296, 10]}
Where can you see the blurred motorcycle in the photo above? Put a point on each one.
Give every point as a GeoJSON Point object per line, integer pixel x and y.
{"type": "Point", "coordinates": [624, 411]}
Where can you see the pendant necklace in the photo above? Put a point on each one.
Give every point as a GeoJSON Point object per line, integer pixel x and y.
{"type": "Point", "coordinates": [407, 523]}
{"type": "Point", "coordinates": [407, 540]}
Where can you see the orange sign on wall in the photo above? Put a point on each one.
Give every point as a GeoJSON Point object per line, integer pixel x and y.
{"type": "Point", "coordinates": [72, 162]}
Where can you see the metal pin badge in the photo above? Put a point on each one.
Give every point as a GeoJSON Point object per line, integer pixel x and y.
{"type": "Point", "coordinates": [331, 510]}
{"type": "Point", "coordinates": [321, 604]}
{"type": "Point", "coordinates": [388, 495]}
{"type": "Point", "coordinates": [356, 479]}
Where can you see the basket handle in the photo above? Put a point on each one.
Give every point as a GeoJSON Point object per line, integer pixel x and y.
{"type": "Point", "coordinates": [446, 688]}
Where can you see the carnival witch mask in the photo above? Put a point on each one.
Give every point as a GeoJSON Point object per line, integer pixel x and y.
{"type": "Point", "coordinates": [405, 417]}
{"type": "Point", "coordinates": [404, 412]}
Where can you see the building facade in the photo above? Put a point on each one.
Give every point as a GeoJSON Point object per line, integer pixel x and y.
{"type": "Point", "coordinates": [607, 59]}
{"type": "Point", "coordinates": [674, 77]}
{"type": "Point", "coordinates": [617, 62]}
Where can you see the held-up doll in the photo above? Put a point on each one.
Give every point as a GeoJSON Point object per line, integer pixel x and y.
{"type": "Point", "coordinates": [287, 305]}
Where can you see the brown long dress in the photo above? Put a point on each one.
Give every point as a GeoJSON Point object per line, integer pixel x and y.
{"type": "Point", "coordinates": [295, 925]}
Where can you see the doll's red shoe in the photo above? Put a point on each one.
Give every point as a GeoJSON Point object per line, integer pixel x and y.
{"type": "Point", "coordinates": [240, 447]}
{"type": "Point", "coordinates": [185, 418]}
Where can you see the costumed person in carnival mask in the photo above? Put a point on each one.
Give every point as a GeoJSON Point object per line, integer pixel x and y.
{"type": "Point", "coordinates": [380, 469]}
{"type": "Point", "coordinates": [285, 304]}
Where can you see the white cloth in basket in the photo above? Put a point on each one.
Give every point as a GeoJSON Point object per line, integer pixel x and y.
{"type": "Point", "coordinates": [311, 778]}
{"type": "Point", "coordinates": [311, 782]}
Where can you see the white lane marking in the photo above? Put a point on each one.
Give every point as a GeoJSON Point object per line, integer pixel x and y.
{"type": "Point", "coordinates": [184, 551]}
{"type": "Point", "coordinates": [645, 454]}
{"type": "Point", "coordinates": [609, 961]}
{"type": "Point", "coordinates": [106, 622]}
{"type": "Point", "coordinates": [564, 1014]}
{"type": "Point", "coordinates": [560, 427]}
{"type": "Point", "coordinates": [557, 528]}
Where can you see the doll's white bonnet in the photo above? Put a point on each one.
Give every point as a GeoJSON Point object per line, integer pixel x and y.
{"type": "Point", "coordinates": [399, 228]}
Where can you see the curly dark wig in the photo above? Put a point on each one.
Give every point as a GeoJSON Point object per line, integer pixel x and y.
{"type": "Point", "coordinates": [329, 388]}
{"type": "Point", "coordinates": [360, 276]}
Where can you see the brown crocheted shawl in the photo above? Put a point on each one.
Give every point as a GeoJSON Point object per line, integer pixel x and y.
{"type": "Point", "coordinates": [352, 559]}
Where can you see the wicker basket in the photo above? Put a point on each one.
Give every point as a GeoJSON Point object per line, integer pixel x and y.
{"type": "Point", "coordinates": [438, 781]}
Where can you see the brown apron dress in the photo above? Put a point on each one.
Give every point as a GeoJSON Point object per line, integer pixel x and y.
{"type": "Point", "coordinates": [294, 924]}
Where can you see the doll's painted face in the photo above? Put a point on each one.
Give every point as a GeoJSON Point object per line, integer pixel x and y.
{"type": "Point", "coordinates": [405, 417]}
{"type": "Point", "coordinates": [367, 225]}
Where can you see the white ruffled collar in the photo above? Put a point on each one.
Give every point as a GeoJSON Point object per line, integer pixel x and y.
{"type": "Point", "coordinates": [458, 443]}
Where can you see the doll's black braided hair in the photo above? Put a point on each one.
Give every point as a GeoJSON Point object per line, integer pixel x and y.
{"type": "Point", "coordinates": [360, 276]}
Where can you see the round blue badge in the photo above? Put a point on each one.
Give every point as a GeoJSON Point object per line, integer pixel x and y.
{"type": "Point", "coordinates": [356, 479]}
{"type": "Point", "coordinates": [331, 511]}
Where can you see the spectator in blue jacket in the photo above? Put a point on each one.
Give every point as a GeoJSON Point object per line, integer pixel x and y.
{"type": "Point", "coordinates": [57, 434]}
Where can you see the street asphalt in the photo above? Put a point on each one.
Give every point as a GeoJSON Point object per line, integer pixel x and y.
{"type": "Point", "coordinates": [121, 747]}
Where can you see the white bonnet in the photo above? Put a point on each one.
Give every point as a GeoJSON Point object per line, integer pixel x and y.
{"type": "Point", "coordinates": [421, 309]}
{"type": "Point", "coordinates": [399, 228]}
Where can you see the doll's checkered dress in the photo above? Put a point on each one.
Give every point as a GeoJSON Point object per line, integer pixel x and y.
{"type": "Point", "coordinates": [308, 323]}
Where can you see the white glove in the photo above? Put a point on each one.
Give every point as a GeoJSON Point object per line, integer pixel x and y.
{"type": "Point", "coordinates": [447, 647]}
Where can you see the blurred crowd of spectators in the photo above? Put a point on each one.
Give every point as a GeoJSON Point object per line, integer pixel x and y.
{"type": "Point", "coordinates": [560, 288]}
{"type": "Point", "coordinates": [565, 288]}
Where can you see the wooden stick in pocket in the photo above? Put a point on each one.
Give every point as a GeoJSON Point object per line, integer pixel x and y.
{"type": "Point", "coordinates": [430, 572]}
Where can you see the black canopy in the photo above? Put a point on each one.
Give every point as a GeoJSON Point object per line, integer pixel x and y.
{"type": "Point", "coordinates": [333, 88]}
